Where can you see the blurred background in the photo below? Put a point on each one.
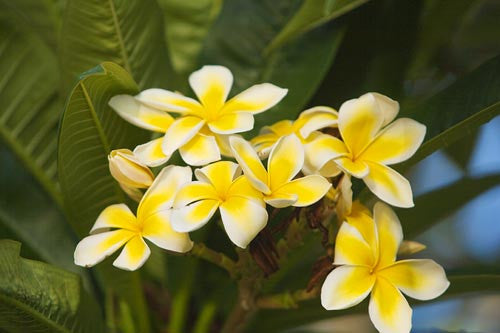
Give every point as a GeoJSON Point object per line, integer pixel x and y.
{"type": "Point", "coordinates": [406, 49]}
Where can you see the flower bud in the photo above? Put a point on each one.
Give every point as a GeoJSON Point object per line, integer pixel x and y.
{"type": "Point", "coordinates": [127, 169]}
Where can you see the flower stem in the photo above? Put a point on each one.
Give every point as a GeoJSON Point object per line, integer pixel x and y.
{"type": "Point", "coordinates": [286, 300]}
{"type": "Point", "coordinates": [200, 250]}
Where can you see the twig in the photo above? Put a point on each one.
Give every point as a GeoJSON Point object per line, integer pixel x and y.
{"type": "Point", "coordinates": [200, 250]}
{"type": "Point", "coordinates": [286, 300]}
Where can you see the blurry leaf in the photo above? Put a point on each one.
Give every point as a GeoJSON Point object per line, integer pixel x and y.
{"type": "Point", "coordinates": [127, 32]}
{"type": "Point", "coordinates": [186, 26]}
{"type": "Point", "coordinates": [461, 151]}
{"type": "Point", "coordinates": [42, 298]}
{"type": "Point", "coordinates": [41, 17]}
{"type": "Point", "coordinates": [458, 110]}
{"type": "Point", "coordinates": [271, 321]}
{"type": "Point", "coordinates": [30, 110]}
{"type": "Point", "coordinates": [238, 42]}
{"type": "Point", "coordinates": [89, 130]}
{"type": "Point", "coordinates": [430, 208]}
{"type": "Point", "coordinates": [312, 14]}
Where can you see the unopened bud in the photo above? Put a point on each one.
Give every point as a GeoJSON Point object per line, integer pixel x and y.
{"type": "Point", "coordinates": [127, 169]}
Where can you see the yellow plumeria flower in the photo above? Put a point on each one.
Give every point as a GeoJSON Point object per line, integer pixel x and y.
{"type": "Point", "coordinates": [129, 172]}
{"type": "Point", "coordinates": [136, 113]}
{"type": "Point", "coordinates": [152, 222]}
{"type": "Point", "coordinates": [285, 162]}
{"type": "Point", "coordinates": [366, 251]}
{"type": "Point", "coordinates": [308, 122]}
{"type": "Point", "coordinates": [201, 131]}
{"type": "Point", "coordinates": [370, 144]}
{"type": "Point", "coordinates": [221, 186]}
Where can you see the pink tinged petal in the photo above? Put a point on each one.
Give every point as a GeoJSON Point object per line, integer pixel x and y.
{"type": "Point", "coordinates": [389, 311]}
{"type": "Point", "coordinates": [322, 150]}
{"type": "Point", "coordinates": [358, 169]}
{"type": "Point", "coordinates": [211, 85]}
{"type": "Point", "coordinates": [250, 163]}
{"type": "Point", "coordinates": [151, 153]}
{"type": "Point", "coordinates": [389, 185]}
{"type": "Point", "coordinates": [115, 216]}
{"type": "Point", "coordinates": [232, 123]}
{"type": "Point", "coordinates": [180, 132]}
{"type": "Point", "coordinates": [346, 286]}
{"type": "Point", "coordinates": [388, 106]}
{"type": "Point", "coordinates": [161, 194]}
{"type": "Point", "coordinates": [396, 143]}
{"type": "Point", "coordinates": [169, 101]}
{"type": "Point", "coordinates": [285, 161]}
{"type": "Point", "coordinates": [422, 279]}
{"type": "Point", "coordinates": [219, 174]}
{"type": "Point", "coordinates": [95, 248]}
{"type": "Point", "coordinates": [200, 150]}
{"type": "Point", "coordinates": [308, 190]}
{"type": "Point", "coordinates": [193, 216]}
{"type": "Point", "coordinates": [139, 114]}
{"type": "Point", "coordinates": [243, 219]}
{"type": "Point", "coordinates": [359, 122]}
{"type": "Point", "coordinates": [134, 254]}
{"type": "Point", "coordinates": [352, 249]}
{"type": "Point", "coordinates": [316, 118]}
{"type": "Point", "coordinates": [158, 230]}
{"type": "Point", "coordinates": [255, 99]}
{"type": "Point", "coordinates": [390, 233]}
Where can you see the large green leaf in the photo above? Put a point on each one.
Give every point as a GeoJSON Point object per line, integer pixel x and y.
{"type": "Point", "coordinates": [37, 297]}
{"type": "Point", "coordinates": [271, 321]}
{"type": "Point", "coordinates": [238, 42]}
{"type": "Point", "coordinates": [30, 110]}
{"type": "Point", "coordinates": [89, 130]}
{"type": "Point", "coordinates": [127, 32]}
{"type": "Point", "coordinates": [430, 208]}
{"type": "Point", "coordinates": [312, 14]}
{"type": "Point", "coordinates": [186, 26]}
{"type": "Point", "coordinates": [458, 110]}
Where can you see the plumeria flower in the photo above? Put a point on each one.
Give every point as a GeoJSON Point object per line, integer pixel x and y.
{"type": "Point", "coordinates": [201, 131]}
{"type": "Point", "coordinates": [284, 163]}
{"type": "Point", "coordinates": [366, 251]}
{"type": "Point", "coordinates": [152, 223]}
{"type": "Point", "coordinates": [371, 143]}
{"type": "Point", "coordinates": [309, 121]}
{"type": "Point", "coordinates": [221, 186]}
{"type": "Point", "coordinates": [129, 172]}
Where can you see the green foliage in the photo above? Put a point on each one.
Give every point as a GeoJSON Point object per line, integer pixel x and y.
{"type": "Point", "coordinates": [42, 298]}
{"type": "Point", "coordinates": [89, 130]}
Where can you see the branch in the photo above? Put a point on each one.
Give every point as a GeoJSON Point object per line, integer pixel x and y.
{"type": "Point", "coordinates": [286, 300]}
{"type": "Point", "coordinates": [200, 250]}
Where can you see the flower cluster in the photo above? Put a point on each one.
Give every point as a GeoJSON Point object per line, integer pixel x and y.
{"type": "Point", "coordinates": [304, 158]}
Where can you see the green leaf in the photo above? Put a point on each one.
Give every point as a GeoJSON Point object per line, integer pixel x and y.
{"type": "Point", "coordinates": [312, 14]}
{"type": "Point", "coordinates": [458, 110]}
{"type": "Point", "coordinates": [238, 43]}
{"type": "Point", "coordinates": [42, 297]}
{"type": "Point", "coordinates": [271, 321]}
{"type": "Point", "coordinates": [127, 32]}
{"type": "Point", "coordinates": [89, 130]}
{"type": "Point", "coordinates": [430, 208]}
{"type": "Point", "coordinates": [30, 110]}
{"type": "Point", "coordinates": [186, 26]}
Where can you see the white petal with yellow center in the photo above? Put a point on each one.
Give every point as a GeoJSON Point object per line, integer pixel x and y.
{"type": "Point", "coordinates": [389, 311]}
{"type": "Point", "coordinates": [255, 99]}
{"type": "Point", "coordinates": [151, 153]}
{"type": "Point", "coordinates": [158, 229]}
{"type": "Point", "coordinates": [115, 216]}
{"type": "Point", "coordinates": [220, 175]}
{"type": "Point", "coordinates": [193, 216]}
{"type": "Point", "coordinates": [250, 163]}
{"type": "Point", "coordinates": [359, 122]}
{"type": "Point", "coordinates": [316, 118]}
{"type": "Point", "coordinates": [95, 248]}
{"type": "Point", "coordinates": [128, 170]}
{"type": "Point", "coordinates": [422, 279]}
{"type": "Point", "coordinates": [388, 106]}
{"type": "Point", "coordinates": [389, 185]}
{"type": "Point", "coordinates": [285, 161]}
{"type": "Point", "coordinates": [232, 123]}
{"type": "Point", "coordinates": [200, 150]}
{"type": "Point", "coordinates": [346, 286]}
{"type": "Point", "coordinates": [169, 101]}
{"type": "Point", "coordinates": [243, 219]}
{"type": "Point", "coordinates": [281, 200]}
{"type": "Point", "coordinates": [194, 191]}
{"type": "Point", "coordinates": [352, 249]}
{"type": "Point", "coordinates": [308, 190]}
{"type": "Point", "coordinates": [323, 149]}
{"type": "Point", "coordinates": [139, 114]}
{"type": "Point", "coordinates": [358, 169]}
{"type": "Point", "coordinates": [389, 231]}
{"type": "Point", "coordinates": [134, 254]}
{"type": "Point", "coordinates": [211, 85]}
{"type": "Point", "coordinates": [396, 143]}
{"type": "Point", "coordinates": [180, 132]}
